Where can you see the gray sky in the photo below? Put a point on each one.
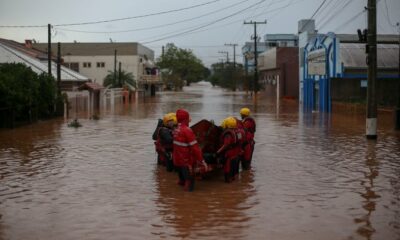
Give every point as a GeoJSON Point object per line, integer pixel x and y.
{"type": "Point", "coordinates": [282, 17]}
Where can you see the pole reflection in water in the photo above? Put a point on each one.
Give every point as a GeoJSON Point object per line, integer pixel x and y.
{"type": "Point", "coordinates": [370, 197]}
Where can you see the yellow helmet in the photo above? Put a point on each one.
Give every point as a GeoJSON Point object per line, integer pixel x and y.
{"type": "Point", "coordinates": [169, 117]}
{"type": "Point", "coordinates": [245, 112]}
{"type": "Point", "coordinates": [229, 122]}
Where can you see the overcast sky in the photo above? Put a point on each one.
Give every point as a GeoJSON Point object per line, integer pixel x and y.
{"type": "Point", "coordinates": [205, 28]}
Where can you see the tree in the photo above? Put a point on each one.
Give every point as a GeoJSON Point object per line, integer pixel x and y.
{"type": "Point", "coordinates": [123, 79]}
{"type": "Point", "coordinates": [25, 95]}
{"type": "Point", "coordinates": [180, 66]}
{"type": "Point", "coordinates": [226, 75]}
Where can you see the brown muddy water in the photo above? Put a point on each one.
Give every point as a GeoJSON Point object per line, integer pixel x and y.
{"type": "Point", "coordinates": [314, 177]}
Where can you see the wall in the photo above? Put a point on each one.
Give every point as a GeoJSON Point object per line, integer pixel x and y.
{"type": "Point", "coordinates": [350, 90]}
{"type": "Point", "coordinates": [287, 59]}
{"type": "Point", "coordinates": [96, 74]}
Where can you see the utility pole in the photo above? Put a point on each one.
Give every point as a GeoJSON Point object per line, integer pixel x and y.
{"type": "Point", "coordinates": [49, 48]}
{"type": "Point", "coordinates": [234, 63]}
{"type": "Point", "coordinates": [246, 73]}
{"type": "Point", "coordinates": [58, 68]}
{"type": "Point", "coordinates": [227, 55]}
{"type": "Point", "coordinates": [119, 75]}
{"type": "Point", "coordinates": [255, 37]}
{"type": "Point", "coordinates": [234, 52]}
{"type": "Point", "coordinates": [115, 66]}
{"type": "Point", "coordinates": [371, 121]}
{"type": "Point", "coordinates": [397, 127]}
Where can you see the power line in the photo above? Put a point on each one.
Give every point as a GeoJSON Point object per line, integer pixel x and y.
{"type": "Point", "coordinates": [388, 16]}
{"type": "Point", "coordinates": [353, 18]}
{"type": "Point", "coordinates": [334, 14]}
{"type": "Point", "coordinates": [116, 19]}
{"type": "Point", "coordinates": [313, 15]}
{"type": "Point", "coordinates": [203, 26]}
{"type": "Point", "coordinates": [156, 26]}
{"type": "Point", "coordinates": [241, 20]}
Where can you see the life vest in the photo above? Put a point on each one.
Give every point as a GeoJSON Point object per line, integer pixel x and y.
{"type": "Point", "coordinates": [249, 124]}
{"type": "Point", "coordinates": [235, 147]}
{"type": "Point", "coordinates": [163, 147]}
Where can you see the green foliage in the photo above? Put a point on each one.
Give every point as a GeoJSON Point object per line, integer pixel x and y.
{"type": "Point", "coordinates": [123, 79]}
{"type": "Point", "coordinates": [226, 75]}
{"type": "Point", "coordinates": [24, 94]}
{"type": "Point", "coordinates": [179, 66]}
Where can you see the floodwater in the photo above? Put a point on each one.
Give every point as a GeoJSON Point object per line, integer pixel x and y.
{"type": "Point", "coordinates": [313, 177]}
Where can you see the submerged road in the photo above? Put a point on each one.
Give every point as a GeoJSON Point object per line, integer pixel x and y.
{"type": "Point", "coordinates": [313, 177]}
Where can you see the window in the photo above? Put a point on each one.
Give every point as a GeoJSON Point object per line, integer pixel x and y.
{"type": "Point", "coordinates": [87, 64]}
{"type": "Point", "coordinates": [72, 65]}
{"type": "Point", "coordinates": [100, 64]}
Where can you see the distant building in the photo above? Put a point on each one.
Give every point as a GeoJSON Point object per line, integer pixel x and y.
{"type": "Point", "coordinates": [96, 60]}
{"type": "Point", "coordinates": [14, 52]}
{"type": "Point", "coordinates": [281, 40]}
{"type": "Point", "coordinates": [248, 54]}
{"type": "Point", "coordinates": [279, 64]}
{"type": "Point", "coordinates": [334, 68]}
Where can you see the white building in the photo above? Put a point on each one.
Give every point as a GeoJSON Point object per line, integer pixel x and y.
{"type": "Point", "coordinates": [95, 60]}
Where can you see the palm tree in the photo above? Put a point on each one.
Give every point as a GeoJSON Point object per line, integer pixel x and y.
{"type": "Point", "coordinates": [123, 79]}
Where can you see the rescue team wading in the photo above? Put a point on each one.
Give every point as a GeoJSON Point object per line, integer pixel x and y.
{"type": "Point", "coordinates": [204, 147]}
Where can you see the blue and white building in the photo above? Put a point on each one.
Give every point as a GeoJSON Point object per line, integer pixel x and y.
{"type": "Point", "coordinates": [334, 67]}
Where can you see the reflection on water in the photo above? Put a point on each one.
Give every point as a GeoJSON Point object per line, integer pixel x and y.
{"type": "Point", "coordinates": [314, 177]}
{"type": "Point", "coordinates": [215, 214]}
{"type": "Point", "coordinates": [369, 195]}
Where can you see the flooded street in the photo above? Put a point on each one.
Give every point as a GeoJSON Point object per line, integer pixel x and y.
{"type": "Point", "coordinates": [312, 178]}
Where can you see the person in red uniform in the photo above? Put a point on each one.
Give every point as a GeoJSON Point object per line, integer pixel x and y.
{"type": "Point", "coordinates": [241, 133]}
{"type": "Point", "coordinates": [249, 126]}
{"type": "Point", "coordinates": [186, 151]}
{"type": "Point", "coordinates": [231, 148]}
{"type": "Point", "coordinates": [164, 141]}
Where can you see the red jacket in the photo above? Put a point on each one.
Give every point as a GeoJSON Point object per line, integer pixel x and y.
{"type": "Point", "coordinates": [249, 124]}
{"type": "Point", "coordinates": [231, 143]}
{"type": "Point", "coordinates": [250, 127]}
{"type": "Point", "coordinates": [186, 150]}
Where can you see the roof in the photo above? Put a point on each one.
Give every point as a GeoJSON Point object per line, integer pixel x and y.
{"type": "Point", "coordinates": [353, 55]}
{"type": "Point", "coordinates": [379, 37]}
{"type": "Point", "coordinates": [91, 86]}
{"type": "Point", "coordinates": [99, 49]}
{"type": "Point", "coordinates": [23, 49]}
{"type": "Point", "coordinates": [11, 53]}
{"type": "Point", "coordinates": [280, 37]}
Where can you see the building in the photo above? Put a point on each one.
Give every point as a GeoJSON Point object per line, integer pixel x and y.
{"type": "Point", "coordinates": [278, 68]}
{"type": "Point", "coordinates": [334, 69]}
{"type": "Point", "coordinates": [248, 54]}
{"type": "Point", "coordinates": [281, 40]}
{"type": "Point", "coordinates": [96, 60]}
{"type": "Point", "coordinates": [306, 31]}
{"type": "Point", "coordinates": [14, 52]}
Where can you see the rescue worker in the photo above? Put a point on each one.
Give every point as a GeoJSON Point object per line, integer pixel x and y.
{"type": "Point", "coordinates": [231, 149]}
{"type": "Point", "coordinates": [186, 151]}
{"type": "Point", "coordinates": [242, 142]}
{"type": "Point", "coordinates": [164, 141]}
{"type": "Point", "coordinates": [249, 126]}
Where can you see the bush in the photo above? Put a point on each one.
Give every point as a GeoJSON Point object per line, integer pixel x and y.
{"type": "Point", "coordinates": [27, 95]}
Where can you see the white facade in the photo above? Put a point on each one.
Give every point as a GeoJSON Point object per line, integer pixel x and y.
{"type": "Point", "coordinates": [97, 67]}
